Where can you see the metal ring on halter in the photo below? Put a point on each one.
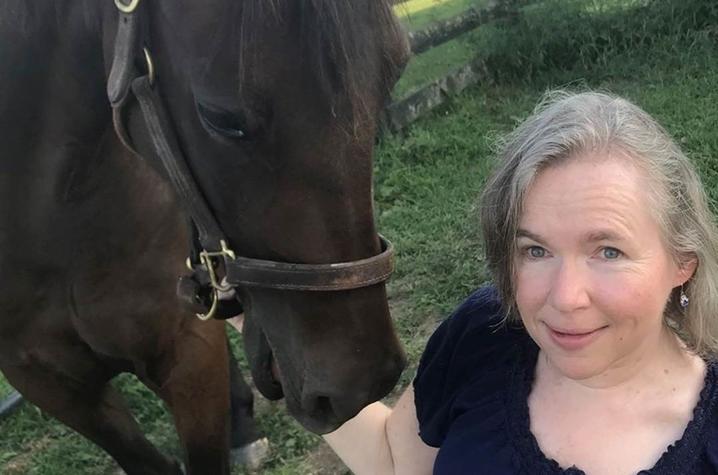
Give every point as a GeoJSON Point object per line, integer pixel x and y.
{"type": "Point", "coordinates": [129, 8]}
{"type": "Point", "coordinates": [212, 310]}
{"type": "Point", "coordinates": [150, 66]}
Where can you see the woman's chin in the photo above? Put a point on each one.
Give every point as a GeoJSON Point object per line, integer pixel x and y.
{"type": "Point", "coordinates": [574, 367]}
{"type": "Point", "coordinates": [577, 357]}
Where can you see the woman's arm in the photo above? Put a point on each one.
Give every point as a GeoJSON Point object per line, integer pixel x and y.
{"type": "Point", "coordinates": [382, 441]}
{"type": "Point", "coordinates": [379, 440]}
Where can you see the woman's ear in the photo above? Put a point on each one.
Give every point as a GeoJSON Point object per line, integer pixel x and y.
{"type": "Point", "coordinates": [686, 268]}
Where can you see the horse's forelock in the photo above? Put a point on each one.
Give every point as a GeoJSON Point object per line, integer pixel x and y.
{"type": "Point", "coordinates": [334, 38]}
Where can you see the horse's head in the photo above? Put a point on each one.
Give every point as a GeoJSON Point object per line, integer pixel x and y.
{"type": "Point", "coordinates": [275, 106]}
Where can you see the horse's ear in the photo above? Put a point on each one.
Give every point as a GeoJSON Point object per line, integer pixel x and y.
{"type": "Point", "coordinates": [398, 51]}
{"type": "Point", "coordinates": [402, 55]}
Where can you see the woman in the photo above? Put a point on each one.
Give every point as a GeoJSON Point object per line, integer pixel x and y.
{"type": "Point", "coordinates": [594, 351]}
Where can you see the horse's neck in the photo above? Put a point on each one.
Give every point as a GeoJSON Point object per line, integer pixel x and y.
{"type": "Point", "coordinates": [53, 112]}
{"type": "Point", "coordinates": [61, 167]}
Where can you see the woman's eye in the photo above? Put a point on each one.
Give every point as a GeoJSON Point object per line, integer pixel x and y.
{"type": "Point", "coordinates": [536, 252]}
{"type": "Point", "coordinates": [611, 253]}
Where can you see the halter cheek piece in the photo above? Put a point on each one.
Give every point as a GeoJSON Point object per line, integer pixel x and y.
{"type": "Point", "coordinates": [210, 254]}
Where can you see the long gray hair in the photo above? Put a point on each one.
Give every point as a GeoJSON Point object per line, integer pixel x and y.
{"type": "Point", "coordinates": [565, 126]}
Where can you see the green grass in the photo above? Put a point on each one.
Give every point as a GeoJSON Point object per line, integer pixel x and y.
{"type": "Point", "coordinates": [34, 443]}
{"type": "Point", "coordinates": [427, 183]}
{"type": "Point", "coordinates": [416, 14]}
{"type": "Point", "coordinates": [5, 388]}
{"type": "Point", "coordinates": [434, 63]}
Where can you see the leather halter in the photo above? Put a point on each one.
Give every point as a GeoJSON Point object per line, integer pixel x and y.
{"type": "Point", "coordinates": [213, 251]}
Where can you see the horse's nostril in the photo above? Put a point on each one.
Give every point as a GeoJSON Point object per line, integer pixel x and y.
{"type": "Point", "coordinates": [327, 406]}
{"type": "Point", "coordinates": [334, 408]}
{"type": "Point", "coordinates": [319, 406]}
{"type": "Point", "coordinates": [324, 405]}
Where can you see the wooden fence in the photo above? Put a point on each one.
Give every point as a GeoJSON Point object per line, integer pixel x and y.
{"type": "Point", "coordinates": [404, 111]}
{"type": "Point", "coordinates": [10, 404]}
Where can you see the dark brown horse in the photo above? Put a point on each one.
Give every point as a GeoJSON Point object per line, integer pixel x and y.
{"type": "Point", "coordinates": [273, 106]}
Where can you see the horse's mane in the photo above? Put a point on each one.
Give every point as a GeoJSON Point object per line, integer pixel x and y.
{"type": "Point", "coordinates": [22, 16]}
{"type": "Point", "coordinates": [26, 17]}
{"type": "Point", "coordinates": [335, 39]}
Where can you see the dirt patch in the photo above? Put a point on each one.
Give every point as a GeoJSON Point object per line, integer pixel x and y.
{"type": "Point", "coordinates": [323, 461]}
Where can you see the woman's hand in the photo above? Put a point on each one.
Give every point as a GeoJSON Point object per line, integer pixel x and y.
{"type": "Point", "coordinates": [382, 441]}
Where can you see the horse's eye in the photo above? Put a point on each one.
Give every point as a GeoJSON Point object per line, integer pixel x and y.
{"type": "Point", "coordinates": [222, 122]}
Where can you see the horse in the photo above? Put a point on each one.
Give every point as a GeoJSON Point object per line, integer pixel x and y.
{"type": "Point", "coordinates": [236, 132]}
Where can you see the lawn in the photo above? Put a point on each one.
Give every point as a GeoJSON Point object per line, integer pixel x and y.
{"type": "Point", "coordinates": [427, 182]}
{"type": "Point", "coordinates": [434, 63]}
{"type": "Point", "coordinates": [417, 14]}
{"type": "Point", "coordinates": [5, 388]}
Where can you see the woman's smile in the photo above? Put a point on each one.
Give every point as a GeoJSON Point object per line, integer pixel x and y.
{"type": "Point", "coordinates": [574, 339]}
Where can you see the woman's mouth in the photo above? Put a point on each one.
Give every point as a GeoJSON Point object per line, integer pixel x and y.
{"type": "Point", "coordinates": [574, 339]}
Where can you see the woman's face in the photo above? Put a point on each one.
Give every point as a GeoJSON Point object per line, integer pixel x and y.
{"type": "Point", "coordinates": [593, 275]}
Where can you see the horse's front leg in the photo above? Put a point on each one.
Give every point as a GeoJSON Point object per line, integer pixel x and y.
{"type": "Point", "coordinates": [93, 408]}
{"type": "Point", "coordinates": [248, 448]}
{"type": "Point", "coordinates": [193, 379]}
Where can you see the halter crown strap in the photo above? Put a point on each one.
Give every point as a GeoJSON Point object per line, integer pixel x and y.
{"type": "Point", "coordinates": [168, 149]}
{"type": "Point", "coordinates": [127, 44]}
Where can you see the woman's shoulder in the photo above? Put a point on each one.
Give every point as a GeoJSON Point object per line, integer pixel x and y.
{"type": "Point", "coordinates": [478, 327]}
{"type": "Point", "coordinates": [708, 409]}
{"type": "Point", "coordinates": [480, 316]}
{"type": "Point", "coordinates": [471, 353]}
{"type": "Point", "coordinates": [698, 447]}
{"type": "Point", "coordinates": [480, 309]}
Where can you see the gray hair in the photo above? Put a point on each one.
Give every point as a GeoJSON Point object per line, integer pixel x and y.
{"type": "Point", "coordinates": [565, 126]}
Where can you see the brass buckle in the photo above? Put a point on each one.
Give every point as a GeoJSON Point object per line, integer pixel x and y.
{"type": "Point", "coordinates": [129, 8]}
{"type": "Point", "coordinates": [205, 258]}
{"type": "Point", "coordinates": [212, 309]}
{"type": "Point", "coordinates": [150, 66]}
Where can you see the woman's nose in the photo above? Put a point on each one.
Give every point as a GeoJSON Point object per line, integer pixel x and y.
{"type": "Point", "coordinates": [569, 288]}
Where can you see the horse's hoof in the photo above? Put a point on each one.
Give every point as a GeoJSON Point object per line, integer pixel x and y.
{"type": "Point", "coordinates": [251, 455]}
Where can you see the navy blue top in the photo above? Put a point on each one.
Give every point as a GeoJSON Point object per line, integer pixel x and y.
{"type": "Point", "coordinates": [472, 389]}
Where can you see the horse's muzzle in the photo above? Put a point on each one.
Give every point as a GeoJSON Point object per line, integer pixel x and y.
{"type": "Point", "coordinates": [325, 410]}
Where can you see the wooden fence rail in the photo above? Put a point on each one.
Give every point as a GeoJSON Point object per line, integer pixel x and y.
{"type": "Point", "coordinates": [406, 110]}
{"type": "Point", "coordinates": [10, 404]}
{"type": "Point", "coordinates": [443, 31]}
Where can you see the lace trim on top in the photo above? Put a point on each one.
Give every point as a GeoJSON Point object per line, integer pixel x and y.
{"type": "Point", "coordinates": [673, 460]}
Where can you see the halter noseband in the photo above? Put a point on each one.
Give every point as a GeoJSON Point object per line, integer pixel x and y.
{"type": "Point", "coordinates": [210, 250]}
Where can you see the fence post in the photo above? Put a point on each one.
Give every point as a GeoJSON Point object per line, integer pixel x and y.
{"type": "Point", "coordinates": [10, 404]}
